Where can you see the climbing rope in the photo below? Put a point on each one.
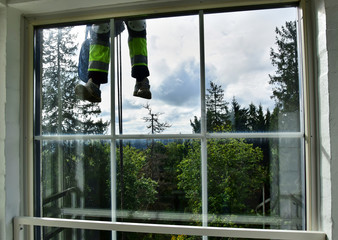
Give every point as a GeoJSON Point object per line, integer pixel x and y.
{"type": "Point", "coordinates": [119, 81]}
{"type": "Point", "coordinates": [119, 103]}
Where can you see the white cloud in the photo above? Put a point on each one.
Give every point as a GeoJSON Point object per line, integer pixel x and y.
{"type": "Point", "coordinates": [238, 49]}
{"type": "Point", "coordinates": [237, 57]}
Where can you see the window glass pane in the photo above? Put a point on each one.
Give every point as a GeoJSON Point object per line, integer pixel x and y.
{"type": "Point", "coordinates": [256, 183]}
{"type": "Point", "coordinates": [62, 112]}
{"type": "Point", "coordinates": [252, 85]}
{"type": "Point", "coordinates": [174, 66]}
{"type": "Point", "coordinates": [252, 77]}
{"type": "Point", "coordinates": [75, 177]}
{"type": "Point", "coordinates": [152, 182]}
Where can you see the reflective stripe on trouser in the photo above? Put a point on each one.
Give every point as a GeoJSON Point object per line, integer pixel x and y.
{"type": "Point", "coordinates": [137, 43]}
{"type": "Point", "coordinates": [138, 51]}
{"type": "Point", "coordinates": [99, 57]}
{"type": "Point", "coordinates": [99, 53]}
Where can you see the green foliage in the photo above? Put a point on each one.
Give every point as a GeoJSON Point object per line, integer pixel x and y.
{"type": "Point", "coordinates": [235, 119]}
{"type": "Point", "coordinates": [235, 177]}
{"type": "Point", "coordinates": [139, 191]}
{"type": "Point", "coordinates": [160, 165]}
{"type": "Point", "coordinates": [178, 237]}
{"type": "Point", "coordinates": [96, 166]}
{"type": "Point", "coordinates": [189, 178]}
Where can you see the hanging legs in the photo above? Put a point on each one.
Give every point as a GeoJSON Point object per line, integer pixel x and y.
{"type": "Point", "coordinates": [137, 43]}
{"type": "Point", "coordinates": [98, 64]}
{"type": "Point", "coordinates": [99, 56]}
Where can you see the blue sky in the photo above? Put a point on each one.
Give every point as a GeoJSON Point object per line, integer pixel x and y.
{"type": "Point", "coordinates": [237, 47]}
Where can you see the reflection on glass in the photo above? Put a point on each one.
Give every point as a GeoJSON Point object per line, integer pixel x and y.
{"type": "Point", "coordinates": [252, 77]}
{"type": "Point", "coordinates": [75, 180]}
{"type": "Point", "coordinates": [61, 111]}
{"type": "Point", "coordinates": [255, 183]}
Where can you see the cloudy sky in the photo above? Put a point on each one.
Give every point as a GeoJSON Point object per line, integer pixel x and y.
{"type": "Point", "coordinates": [237, 47]}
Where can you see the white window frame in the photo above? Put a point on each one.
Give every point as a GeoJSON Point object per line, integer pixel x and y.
{"type": "Point", "coordinates": [307, 129]}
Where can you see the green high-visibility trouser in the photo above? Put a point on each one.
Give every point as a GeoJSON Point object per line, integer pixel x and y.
{"type": "Point", "coordinates": [99, 51]}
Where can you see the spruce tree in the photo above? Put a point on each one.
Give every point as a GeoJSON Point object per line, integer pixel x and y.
{"type": "Point", "coordinates": [217, 107]}
{"type": "Point", "coordinates": [216, 110]}
{"type": "Point", "coordinates": [285, 58]}
{"type": "Point", "coordinates": [240, 116]}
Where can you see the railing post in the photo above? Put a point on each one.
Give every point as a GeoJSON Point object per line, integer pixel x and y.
{"type": "Point", "coordinates": [17, 229]}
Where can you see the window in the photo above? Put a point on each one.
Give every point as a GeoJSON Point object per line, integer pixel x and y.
{"type": "Point", "coordinates": [221, 143]}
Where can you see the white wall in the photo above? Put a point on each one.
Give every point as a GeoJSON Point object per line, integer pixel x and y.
{"type": "Point", "coordinates": [331, 9]}
{"type": "Point", "coordinates": [2, 120]}
{"type": "Point", "coordinates": [325, 22]}
{"type": "Point", "coordinates": [9, 120]}
{"type": "Point", "coordinates": [324, 148]}
{"type": "Point", "coordinates": [12, 145]}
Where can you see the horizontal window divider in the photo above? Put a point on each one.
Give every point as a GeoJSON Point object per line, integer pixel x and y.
{"type": "Point", "coordinates": [165, 229]}
{"type": "Point", "coordinates": [172, 136]}
{"type": "Point", "coordinates": [177, 216]}
{"type": "Point", "coordinates": [116, 137]}
{"type": "Point", "coordinates": [256, 135]}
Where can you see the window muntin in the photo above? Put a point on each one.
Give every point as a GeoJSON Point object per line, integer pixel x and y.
{"type": "Point", "coordinates": [282, 153]}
